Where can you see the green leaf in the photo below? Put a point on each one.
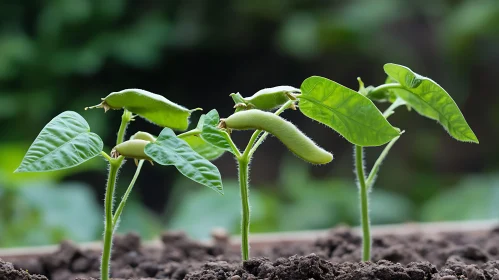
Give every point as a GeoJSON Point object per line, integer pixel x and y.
{"type": "Point", "coordinates": [348, 112]}
{"type": "Point", "coordinates": [171, 150]}
{"type": "Point", "coordinates": [212, 134]}
{"type": "Point", "coordinates": [153, 107]}
{"type": "Point", "coordinates": [430, 100]}
{"type": "Point", "coordinates": [66, 141]}
{"type": "Point", "coordinates": [200, 146]}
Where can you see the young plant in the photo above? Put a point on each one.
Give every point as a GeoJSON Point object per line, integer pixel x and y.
{"type": "Point", "coordinates": [354, 116]}
{"type": "Point", "coordinates": [251, 115]}
{"type": "Point", "coordinates": [66, 141]}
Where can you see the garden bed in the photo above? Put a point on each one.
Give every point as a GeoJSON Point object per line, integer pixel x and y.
{"type": "Point", "coordinates": [412, 251]}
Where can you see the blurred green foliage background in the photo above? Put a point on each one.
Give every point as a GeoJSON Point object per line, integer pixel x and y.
{"type": "Point", "coordinates": [67, 54]}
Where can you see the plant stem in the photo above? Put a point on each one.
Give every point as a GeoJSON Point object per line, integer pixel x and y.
{"type": "Point", "coordinates": [114, 166]}
{"type": "Point", "coordinates": [125, 119]}
{"type": "Point", "coordinates": [397, 103]}
{"type": "Point", "coordinates": [245, 214]}
{"type": "Point", "coordinates": [364, 204]}
{"type": "Point", "coordinates": [386, 87]}
{"type": "Point", "coordinates": [117, 213]}
{"type": "Point", "coordinates": [371, 179]}
{"type": "Point", "coordinates": [243, 162]}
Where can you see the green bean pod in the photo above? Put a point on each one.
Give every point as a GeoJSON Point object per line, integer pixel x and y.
{"type": "Point", "coordinates": [266, 99]}
{"type": "Point", "coordinates": [285, 131]}
{"type": "Point", "coordinates": [141, 135]}
{"type": "Point", "coordinates": [153, 107]}
{"type": "Point", "coordinates": [133, 149]}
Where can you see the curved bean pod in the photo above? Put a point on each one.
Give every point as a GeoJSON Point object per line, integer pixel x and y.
{"type": "Point", "coordinates": [133, 149]}
{"type": "Point", "coordinates": [266, 99]}
{"type": "Point", "coordinates": [141, 135]}
{"type": "Point", "coordinates": [153, 107]}
{"type": "Point", "coordinates": [285, 131]}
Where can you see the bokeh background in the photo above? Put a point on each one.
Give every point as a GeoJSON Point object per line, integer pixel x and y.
{"type": "Point", "coordinates": [67, 54]}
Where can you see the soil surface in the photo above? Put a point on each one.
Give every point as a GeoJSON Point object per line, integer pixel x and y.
{"type": "Point", "coordinates": [8, 272]}
{"type": "Point", "coordinates": [336, 256]}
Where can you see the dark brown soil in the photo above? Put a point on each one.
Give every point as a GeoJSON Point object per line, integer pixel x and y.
{"type": "Point", "coordinates": [414, 257]}
{"type": "Point", "coordinates": [8, 272]}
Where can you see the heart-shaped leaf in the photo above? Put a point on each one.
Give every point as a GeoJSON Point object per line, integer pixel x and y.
{"type": "Point", "coordinates": [212, 134]}
{"type": "Point", "coordinates": [171, 150]}
{"type": "Point", "coordinates": [200, 146]}
{"type": "Point", "coordinates": [66, 141]}
{"type": "Point", "coordinates": [348, 112]}
{"type": "Point", "coordinates": [430, 100]}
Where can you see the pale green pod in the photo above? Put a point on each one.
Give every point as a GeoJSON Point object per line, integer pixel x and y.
{"type": "Point", "coordinates": [153, 107]}
{"type": "Point", "coordinates": [285, 131]}
{"type": "Point", "coordinates": [266, 99]}
{"type": "Point", "coordinates": [141, 135]}
{"type": "Point", "coordinates": [133, 149]}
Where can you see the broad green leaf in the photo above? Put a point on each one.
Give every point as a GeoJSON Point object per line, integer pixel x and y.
{"type": "Point", "coordinates": [430, 100]}
{"type": "Point", "coordinates": [66, 141]}
{"type": "Point", "coordinates": [212, 134]}
{"type": "Point", "coordinates": [153, 107]}
{"type": "Point", "coordinates": [348, 112]}
{"type": "Point", "coordinates": [200, 146]}
{"type": "Point", "coordinates": [171, 150]}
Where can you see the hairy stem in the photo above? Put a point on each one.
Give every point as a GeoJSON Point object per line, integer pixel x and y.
{"type": "Point", "coordinates": [243, 161]}
{"type": "Point", "coordinates": [119, 210]}
{"type": "Point", "coordinates": [397, 103]}
{"type": "Point", "coordinates": [371, 179]}
{"type": "Point", "coordinates": [364, 204]}
{"type": "Point", "coordinates": [125, 119]}
{"type": "Point", "coordinates": [245, 214]}
{"type": "Point", "coordinates": [386, 87]}
{"type": "Point", "coordinates": [114, 166]}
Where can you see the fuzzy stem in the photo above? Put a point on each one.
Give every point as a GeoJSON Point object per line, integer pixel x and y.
{"type": "Point", "coordinates": [125, 119]}
{"type": "Point", "coordinates": [119, 210]}
{"type": "Point", "coordinates": [245, 214]}
{"type": "Point", "coordinates": [386, 87]}
{"type": "Point", "coordinates": [364, 204]}
{"type": "Point", "coordinates": [371, 179]}
{"type": "Point", "coordinates": [243, 162]}
{"type": "Point", "coordinates": [114, 166]}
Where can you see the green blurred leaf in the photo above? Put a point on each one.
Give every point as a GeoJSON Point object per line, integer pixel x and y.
{"type": "Point", "coordinates": [198, 212]}
{"type": "Point", "coordinates": [430, 100]}
{"type": "Point", "coordinates": [474, 198]}
{"type": "Point", "coordinates": [171, 150]}
{"type": "Point", "coordinates": [212, 134]}
{"type": "Point", "coordinates": [66, 141]}
{"type": "Point", "coordinates": [139, 219]}
{"type": "Point", "coordinates": [349, 113]}
{"type": "Point", "coordinates": [70, 207]}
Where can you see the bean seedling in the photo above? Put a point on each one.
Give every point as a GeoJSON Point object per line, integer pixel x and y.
{"type": "Point", "coordinates": [354, 116]}
{"type": "Point", "coordinates": [350, 113]}
{"type": "Point", "coordinates": [251, 114]}
{"type": "Point", "coordinates": [66, 141]}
